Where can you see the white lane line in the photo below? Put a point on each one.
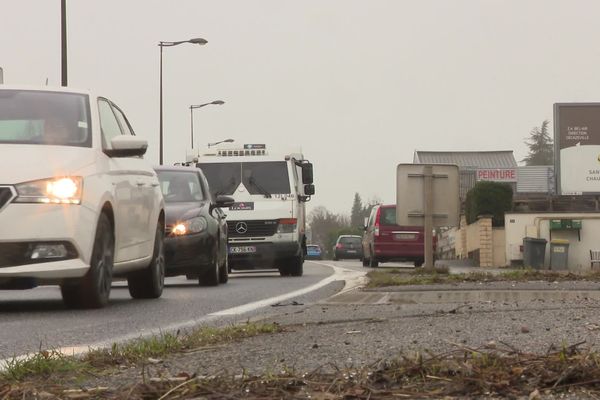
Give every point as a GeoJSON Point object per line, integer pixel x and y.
{"type": "Point", "coordinates": [339, 274]}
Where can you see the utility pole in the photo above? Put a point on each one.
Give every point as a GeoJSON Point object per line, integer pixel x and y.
{"type": "Point", "coordinates": [63, 41]}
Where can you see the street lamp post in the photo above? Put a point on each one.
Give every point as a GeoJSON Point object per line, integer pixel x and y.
{"type": "Point", "coordinates": [198, 41]}
{"type": "Point", "coordinates": [192, 108]}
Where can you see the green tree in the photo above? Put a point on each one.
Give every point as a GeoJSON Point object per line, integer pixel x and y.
{"type": "Point", "coordinates": [488, 198]}
{"type": "Point", "coordinates": [541, 148]}
{"type": "Point", "coordinates": [356, 215]}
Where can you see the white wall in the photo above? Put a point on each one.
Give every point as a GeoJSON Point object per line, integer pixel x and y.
{"type": "Point", "coordinates": [519, 225]}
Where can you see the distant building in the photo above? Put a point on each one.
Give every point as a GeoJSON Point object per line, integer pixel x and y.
{"type": "Point", "coordinates": [496, 166]}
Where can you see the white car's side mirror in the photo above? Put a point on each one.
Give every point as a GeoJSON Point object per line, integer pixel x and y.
{"type": "Point", "coordinates": [127, 146]}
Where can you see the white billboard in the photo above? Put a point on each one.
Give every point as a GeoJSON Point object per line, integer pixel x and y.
{"type": "Point", "coordinates": [577, 148]}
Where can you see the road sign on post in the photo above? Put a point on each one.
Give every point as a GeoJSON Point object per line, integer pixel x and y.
{"type": "Point", "coordinates": [427, 195]}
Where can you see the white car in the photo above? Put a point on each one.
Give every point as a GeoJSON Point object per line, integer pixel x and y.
{"type": "Point", "coordinates": [78, 203]}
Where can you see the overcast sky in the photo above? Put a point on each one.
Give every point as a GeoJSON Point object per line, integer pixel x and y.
{"type": "Point", "coordinates": [359, 85]}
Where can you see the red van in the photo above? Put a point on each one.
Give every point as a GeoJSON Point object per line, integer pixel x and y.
{"type": "Point", "coordinates": [384, 241]}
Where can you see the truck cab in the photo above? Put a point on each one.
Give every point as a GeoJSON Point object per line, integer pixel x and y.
{"type": "Point", "coordinates": [267, 223]}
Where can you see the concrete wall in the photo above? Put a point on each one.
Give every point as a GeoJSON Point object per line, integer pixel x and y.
{"type": "Point", "coordinates": [520, 225]}
{"type": "Point", "coordinates": [478, 241]}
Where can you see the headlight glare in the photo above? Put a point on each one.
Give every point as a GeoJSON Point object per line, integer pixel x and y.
{"type": "Point", "coordinates": [63, 190]}
{"type": "Point", "coordinates": [193, 225]}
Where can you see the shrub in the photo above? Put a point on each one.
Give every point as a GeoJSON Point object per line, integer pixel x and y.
{"type": "Point", "coordinates": [491, 198]}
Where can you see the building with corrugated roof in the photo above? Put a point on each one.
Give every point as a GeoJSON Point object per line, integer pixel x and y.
{"type": "Point", "coordinates": [474, 166]}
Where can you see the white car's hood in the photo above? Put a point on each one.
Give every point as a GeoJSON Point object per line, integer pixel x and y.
{"type": "Point", "coordinates": [27, 162]}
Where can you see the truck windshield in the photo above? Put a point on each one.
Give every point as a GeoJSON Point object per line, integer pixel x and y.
{"type": "Point", "coordinates": [38, 117]}
{"type": "Point", "coordinates": [263, 178]}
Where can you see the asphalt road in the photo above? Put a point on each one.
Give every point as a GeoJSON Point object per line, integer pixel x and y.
{"type": "Point", "coordinates": [37, 318]}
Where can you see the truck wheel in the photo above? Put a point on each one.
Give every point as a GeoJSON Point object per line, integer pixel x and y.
{"type": "Point", "coordinates": [149, 282]}
{"type": "Point", "coordinates": [93, 290]}
{"type": "Point", "coordinates": [296, 266]}
{"type": "Point", "coordinates": [284, 269]}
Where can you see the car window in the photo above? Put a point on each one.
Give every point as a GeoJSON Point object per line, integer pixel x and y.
{"type": "Point", "coordinates": [350, 240]}
{"type": "Point", "coordinates": [108, 123]}
{"type": "Point", "coordinates": [125, 127]}
{"type": "Point", "coordinates": [36, 117]}
{"type": "Point", "coordinates": [180, 186]}
{"type": "Point", "coordinates": [387, 216]}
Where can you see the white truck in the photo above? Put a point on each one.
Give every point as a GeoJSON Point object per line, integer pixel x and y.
{"type": "Point", "coordinates": [267, 222]}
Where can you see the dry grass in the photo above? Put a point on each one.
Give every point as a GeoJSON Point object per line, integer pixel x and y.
{"type": "Point", "coordinates": [398, 277]}
{"type": "Point", "coordinates": [495, 371]}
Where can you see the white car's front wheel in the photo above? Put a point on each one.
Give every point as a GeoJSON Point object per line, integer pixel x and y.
{"type": "Point", "coordinates": [149, 283]}
{"type": "Point", "coordinates": [93, 290]}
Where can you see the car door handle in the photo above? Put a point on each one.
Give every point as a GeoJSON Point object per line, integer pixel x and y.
{"type": "Point", "coordinates": [140, 183]}
{"type": "Point", "coordinates": [155, 184]}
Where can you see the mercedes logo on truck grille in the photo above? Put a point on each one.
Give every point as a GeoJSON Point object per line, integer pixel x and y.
{"type": "Point", "coordinates": [241, 228]}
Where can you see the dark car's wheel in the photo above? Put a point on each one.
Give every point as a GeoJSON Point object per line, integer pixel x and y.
{"type": "Point", "coordinates": [224, 271]}
{"type": "Point", "coordinates": [93, 290]}
{"type": "Point", "coordinates": [211, 276]}
{"type": "Point", "coordinates": [419, 263]}
{"type": "Point", "coordinates": [149, 283]}
{"type": "Point", "coordinates": [365, 262]}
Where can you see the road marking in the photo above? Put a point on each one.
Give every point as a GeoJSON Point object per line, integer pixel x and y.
{"type": "Point", "coordinates": [351, 278]}
{"type": "Point", "coordinates": [339, 274]}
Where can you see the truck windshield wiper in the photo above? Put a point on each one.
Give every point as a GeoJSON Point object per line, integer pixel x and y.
{"type": "Point", "coordinates": [226, 189]}
{"type": "Point", "coordinates": [261, 189]}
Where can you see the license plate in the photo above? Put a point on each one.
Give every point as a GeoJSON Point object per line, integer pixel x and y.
{"type": "Point", "coordinates": [242, 249]}
{"type": "Point", "coordinates": [405, 236]}
{"type": "Point", "coordinates": [351, 251]}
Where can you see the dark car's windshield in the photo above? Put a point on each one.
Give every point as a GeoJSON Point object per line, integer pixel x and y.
{"type": "Point", "coordinates": [267, 178]}
{"type": "Point", "coordinates": [180, 186]}
{"type": "Point", "coordinates": [38, 117]}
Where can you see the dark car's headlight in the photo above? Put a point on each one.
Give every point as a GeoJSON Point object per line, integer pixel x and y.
{"type": "Point", "coordinates": [193, 225]}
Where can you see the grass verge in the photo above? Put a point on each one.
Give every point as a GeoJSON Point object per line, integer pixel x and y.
{"type": "Point", "coordinates": [53, 363]}
{"type": "Point", "coordinates": [491, 372]}
{"type": "Point", "coordinates": [398, 277]}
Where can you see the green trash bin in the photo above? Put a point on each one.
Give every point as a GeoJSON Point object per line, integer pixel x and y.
{"type": "Point", "coordinates": [534, 252]}
{"type": "Point", "coordinates": [559, 254]}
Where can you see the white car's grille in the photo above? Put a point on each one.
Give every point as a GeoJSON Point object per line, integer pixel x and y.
{"type": "Point", "coordinates": [6, 195]}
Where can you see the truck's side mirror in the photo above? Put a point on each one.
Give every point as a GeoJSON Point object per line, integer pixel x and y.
{"type": "Point", "coordinates": [366, 223]}
{"type": "Point", "coordinates": [309, 190]}
{"type": "Point", "coordinates": [307, 173]}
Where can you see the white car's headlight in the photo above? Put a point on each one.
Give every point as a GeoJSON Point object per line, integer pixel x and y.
{"type": "Point", "coordinates": [63, 190]}
{"type": "Point", "coordinates": [193, 225]}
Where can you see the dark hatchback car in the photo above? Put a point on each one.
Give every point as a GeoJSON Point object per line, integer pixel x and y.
{"type": "Point", "coordinates": [348, 246]}
{"type": "Point", "coordinates": [196, 231]}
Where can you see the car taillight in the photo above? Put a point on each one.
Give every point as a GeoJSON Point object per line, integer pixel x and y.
{"type": "Point", "coordinates": [376, 230]}
{"type": "Point", "coordinates": [339, 246]}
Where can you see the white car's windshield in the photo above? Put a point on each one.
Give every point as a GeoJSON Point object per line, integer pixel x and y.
{"type": "Point", "coordinates": [36, 117]}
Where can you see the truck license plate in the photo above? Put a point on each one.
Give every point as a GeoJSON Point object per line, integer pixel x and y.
{"type": "Point", "coordinates": [242, 249]}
